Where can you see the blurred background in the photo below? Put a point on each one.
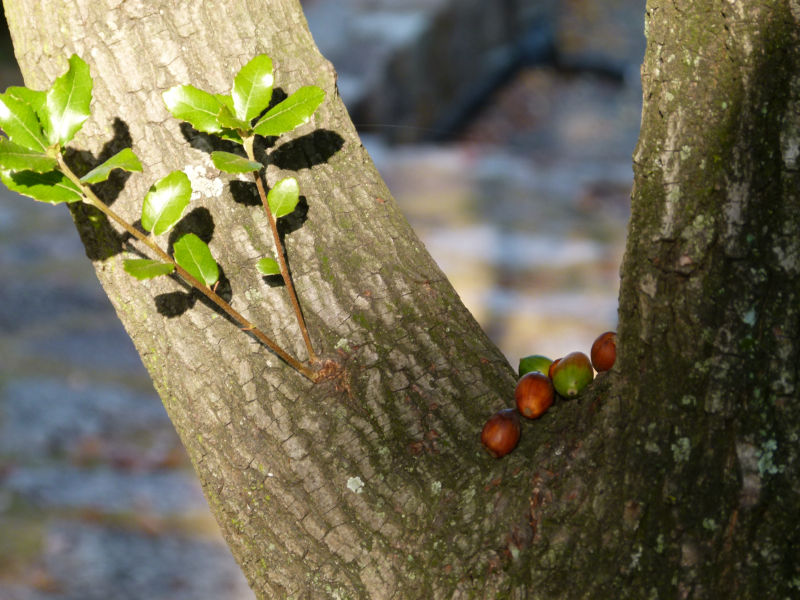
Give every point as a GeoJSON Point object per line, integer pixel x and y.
{"type": "Point", "coordinates": [505, 131]}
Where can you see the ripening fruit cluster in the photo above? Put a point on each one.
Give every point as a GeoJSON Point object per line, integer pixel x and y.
{"type": "Point", "coordinates": [541, 380]}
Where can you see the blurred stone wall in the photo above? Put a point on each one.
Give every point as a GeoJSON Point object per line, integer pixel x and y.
{"type": "Point", "coordinates": [463, 52]}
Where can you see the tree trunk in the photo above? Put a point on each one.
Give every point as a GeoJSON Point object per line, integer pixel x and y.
{"type": "Point", "coordinates": [675, 475]}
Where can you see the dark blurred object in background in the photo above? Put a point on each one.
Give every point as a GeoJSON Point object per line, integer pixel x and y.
{"type": "Point", "coordinates": [9, 73]}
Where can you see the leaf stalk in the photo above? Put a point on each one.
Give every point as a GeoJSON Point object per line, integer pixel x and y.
{"type": "Point", "coordinates": [287, 279]}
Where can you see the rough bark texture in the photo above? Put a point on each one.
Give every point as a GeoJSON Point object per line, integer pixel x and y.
{"type": "Point", "coordinates": [346, 487]}
{"type": "Point", "coordinates": [709, 305]}
{"type": "Point", "coordinates": [675, 476]}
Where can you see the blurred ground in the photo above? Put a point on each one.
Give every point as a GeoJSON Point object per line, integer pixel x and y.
{"type": "Point", "coordinates": [525, 210]}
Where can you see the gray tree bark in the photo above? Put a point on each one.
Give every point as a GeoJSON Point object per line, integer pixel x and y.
{"type": "Point", "coordinates": [675, 475]}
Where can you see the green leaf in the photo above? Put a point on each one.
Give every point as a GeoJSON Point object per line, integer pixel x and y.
{"type": "Point", "coordinates": [52, 187]}
{"type": "Point", "coordinates": [35, 99]}
{"type": "Point", "coordinates": [165, 202]}
{"type": "Point", "coordinates": [292, 112]}
{"type": "Point", "coordinates": [124, 159]}
{"type": "Point", "coordinates": [196, 107]}
{"type": "Point", "coordinates": [230, 135]}
{"type": "Point", "coordinates": [18, 158]}
{"type": "Point", "coordinates": [233, 163]}
{"type": "Point", "coordinates": [193, 254]}
{"type": "Point", "coordinates": [68, 101]}
{"type": "Point", "coordinates": [19, 121]}
{"type": "Point", "coordinates": [283, 197]}
{"type": "Point", "coordinates": [268, 266]}
{"type": "Point", "coordinates": [226, 101]}
{"type": "Point", "coordinates": [226, 120]}
{"type": "Point", "coordinates": [252, 88]}
{"type": "Point", "coordinates": [144, 268]}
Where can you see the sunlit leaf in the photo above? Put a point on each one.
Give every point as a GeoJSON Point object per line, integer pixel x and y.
{"type": "Point", "coordinates": [34, 98]}
{"type": "Point", "coordinates": [165, 202]}
{"type": "Point", "coordinates": [20, 123]}
{"type": "Point", "coordinates": [226, 120]}
{"type": "Point", "coordinates": [268, 266]}
{"type": "Point", "coordinates": [145, 268]}
{"type": "Point", "coordinates": [252, 88]}
{"type": "Point", "coordinates": [68, 101]}
{"type": "Point", "coordinates": [14, 157]}
{"type": "Point", "coordinates": [192, 254]}
{"type": "Point", "coordinates": [196, 107]}
{"type": "Point", "coordinates": [283, 197]}
{"type": "Point", "coordinates": [292, 112]}
{"type": "Point", "coordinates": [124, 159]}
{"type": "Point", "coordinates": [226, 101]}
{"type": "Point", "coordinates": [51, 187]}
{"type": "Point", "coordinates": [233, 163]}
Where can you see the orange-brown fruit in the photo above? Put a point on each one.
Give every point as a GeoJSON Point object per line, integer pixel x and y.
{"type": "Point", "coordinates": [604, 351]}
{"type": "Point", "coordinates": [572, 374]}
{"type": "Point", "coordinates": [552, 366]}
{"type": "Point", "coordinates": [501, 433]}
{"type": "Point", "coordinates": [534, 394]}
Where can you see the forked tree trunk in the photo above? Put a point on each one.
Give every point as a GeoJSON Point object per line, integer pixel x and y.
{"type": "Point", "coordinates": [676, 475]}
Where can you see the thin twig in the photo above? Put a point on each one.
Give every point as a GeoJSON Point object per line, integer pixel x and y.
{"type": "Point", "coordinates": [246, 325]}
{"type": "Point", "coordinates": [287, 278]}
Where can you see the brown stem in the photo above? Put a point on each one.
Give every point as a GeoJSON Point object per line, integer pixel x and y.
{"type": "Point", "coordinates": [287, 279]}
{"type": "Point", "coordinates": [93, 200]}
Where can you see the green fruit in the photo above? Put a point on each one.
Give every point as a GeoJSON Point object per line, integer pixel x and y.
{"type": "Point", "coordinates": [572, 374]}
{"type": "Point", "coordinates": [534, 362]}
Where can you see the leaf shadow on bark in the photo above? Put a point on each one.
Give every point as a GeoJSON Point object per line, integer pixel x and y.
{"type": "Point", "coordinates": [174, 304]}
{"type": "Point", "coordinates": [99, 238]}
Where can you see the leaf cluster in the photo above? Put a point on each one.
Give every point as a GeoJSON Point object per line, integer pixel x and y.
{"type": "Point", "coordinates": [39, 124]}
{"type": "Point", "coordinates": [240, 116]}
{"type": "Point", "coordinates": [243, 113]}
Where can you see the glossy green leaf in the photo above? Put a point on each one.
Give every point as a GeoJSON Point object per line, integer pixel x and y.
{"type": "Point", "coordinates": [68, 101]}
{"type": "Point", "coordinates": [14, 157]}
{"type": "Point", "coordinates": [292, 112]}
{"type": "Point", "coordinates": [196, 107]}
{"type": "Point", "coordinates": [233, 163]}
{"type": "Point", "coordinates": [192, 254]}
{"type": "Point", "coordinates": [124, 159]}
{"type": "Point", "coordinates": [252, 88]}
{"type": "Point", "coordinates": [268, 266]}
{"type": "Point", "coordinates": [226, 101]}
{"type": "Point", "coordinates": [34, 98]}
{"type": "Point", "coordinates": [165, 202]}
{"type": "Point", "coordinates": [283, 197]}
{"type": "Point", "coordinates": [145, 268]}
{"type": "Point", "coordinates": [20, 123]}
{"type": "Point", "coordinates": [226, 120]}
{"type": "Point", "coordinates": [51, 187]}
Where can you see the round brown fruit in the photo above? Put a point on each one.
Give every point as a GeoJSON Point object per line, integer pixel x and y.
{"type": "Point", "coordinates": [572, 374]}
{"type": "Point", "coordinates": [534, 394]}
{"type": "Point", "coordinates": [501, 433]}
{"type": "Point", "coordinates": [604, 351]}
